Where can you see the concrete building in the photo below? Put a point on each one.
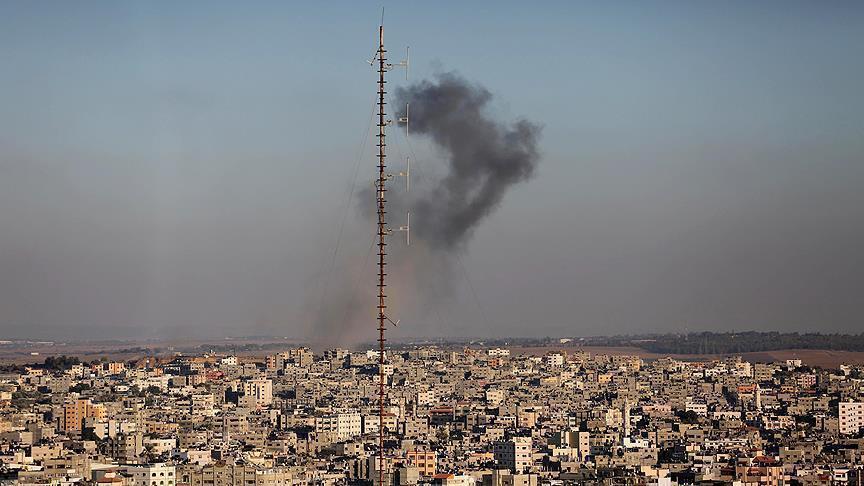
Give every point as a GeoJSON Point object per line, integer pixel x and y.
{"type": "Point", "coordinates": [75, 411]}
{"type": "Point", "coordinates": [424, 461]}
{"type": "Point", "coordinates": [233, 474]}
{"type": "Point", "coordinates": [514, 454]}
{"type": "Point", "coordinates": [851, 417]}
{"type": "Point", "coordinates": [149, 474]}
{"type": "Point", "coordinates": [260, 390]}
{"type": "Point", "coordinates": [344, 425]}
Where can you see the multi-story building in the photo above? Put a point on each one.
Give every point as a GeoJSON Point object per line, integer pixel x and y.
{"type": "Point", "coordinates": [75, 411]}
{"type": "Point", "coordinates": [344, 424]}
{"type": "Point", "coordinates": [851, 417]}
{"type": "Point", "coordinates": [149, 474]}
{"type": "Point", "coordinates": [553, 359]}
{"type": "Point", "coordinates": [233, 474]}
{"type": "Point", "coordinates": [424, 461]}
{"type": "Point", "coordinates": [514, 454]}
{"type": "Point", "coordinates": [259, 390]}
{"type": "Point", "coordinates": [806, 380]}
{"type": "Point", "coordinates": [763, 372]}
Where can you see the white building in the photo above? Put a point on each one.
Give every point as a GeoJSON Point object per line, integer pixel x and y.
{"type": "Point", "coordinates": [344, 425]}
{"type": "Point", "coordinates": [697, 406]}
{"type": "Point", "coordinates": [793, 363]}
{"type": "Point", "coordinates": [148, 474]}
{"type": "Point", "coordinates": [553, 359]}
{"type": "Point", "coordinates": [456, 480]}
{"type": "Point", "coordinates": [743, 369]}
{"type": "Point", "coordinates": [160, 446]}
{"type": "Point", "coordinates": [494, 397]}
{"type": "Point", "coordinates": [261, 391]}
{"type": "Point", "coordinates": [851, 417]}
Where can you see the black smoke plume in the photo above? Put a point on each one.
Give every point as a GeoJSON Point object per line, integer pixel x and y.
{"type": "Point", "coordinates": [485, 157]}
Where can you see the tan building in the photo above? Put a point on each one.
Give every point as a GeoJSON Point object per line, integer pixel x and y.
{"type": "Point", "coordinates": [58, 468]}
{"type": "Point", "coordinates": [75, 411]}
{"type": "Point", "coordinates": [222, 474]}
{"type": "Point", "coordinates": [113, 368]}
{"type": "Point", "coordinates": [514, 454]}
{"type": "Point", "coordinates": [425, 461]}
{"type": "Point", "coordinates": [148, 475]}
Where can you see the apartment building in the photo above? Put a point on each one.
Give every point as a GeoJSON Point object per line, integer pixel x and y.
{"type": "Point", "coordinates": [851, 417]}
{"type": "Point", "coordinates": [514, 454]}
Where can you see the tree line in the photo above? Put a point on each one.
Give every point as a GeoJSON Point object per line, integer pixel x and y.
{"type": "Point", "coordinates": [737, 342]}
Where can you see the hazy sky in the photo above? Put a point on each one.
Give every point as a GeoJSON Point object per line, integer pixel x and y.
{"type": "Point", "coordinates": [182, 168]}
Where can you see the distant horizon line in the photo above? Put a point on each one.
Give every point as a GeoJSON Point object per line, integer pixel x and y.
{"type": "Point", "coordinates": [397, 340]}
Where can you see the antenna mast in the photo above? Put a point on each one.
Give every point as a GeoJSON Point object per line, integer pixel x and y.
{"type": "Point", "coordinates": [383, 231]}
{"type": "Point", "coordinates": [382, 245]}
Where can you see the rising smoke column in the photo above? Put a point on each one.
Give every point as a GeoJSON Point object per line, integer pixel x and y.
{"type": "Point", "coordinates": [485, 157]}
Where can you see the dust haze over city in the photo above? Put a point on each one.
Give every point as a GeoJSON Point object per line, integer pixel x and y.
{"type": "Point", "coordinates": [199, 169]}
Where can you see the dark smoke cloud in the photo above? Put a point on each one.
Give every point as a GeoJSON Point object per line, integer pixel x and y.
{"type": "Point", "coordinates": [485, 157]}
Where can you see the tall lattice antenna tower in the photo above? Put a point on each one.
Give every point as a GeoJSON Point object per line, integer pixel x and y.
{"type": "Point", "coordinates": [383, 231]}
